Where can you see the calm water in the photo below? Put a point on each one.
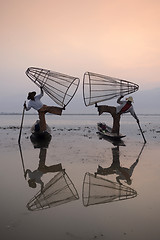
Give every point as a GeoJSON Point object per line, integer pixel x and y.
{"type": "Point", "coordinates": [72, 120]}
{"type": "Point", "coordinates": [129, 211]}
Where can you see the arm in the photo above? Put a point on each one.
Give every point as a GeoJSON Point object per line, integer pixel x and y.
{"type": "Point", "coordinates": [134, 114]}
{"type": "Point", "coordinates": [118, 180]}
{"type": "Point", "coordinates": [119, 100]}
{"type": "Point", "coordinates": [27, 171]}
{"type": "Point", "coordinates": [27, 108]}
{"type": "Point", "coordinates": [41, 90]}
{"type": "Point", "coordinates": [41, 93]}
{"type": "Point", "coordinates": [41, 183]}
{"type": "Point", "coordinates": [42, 186]}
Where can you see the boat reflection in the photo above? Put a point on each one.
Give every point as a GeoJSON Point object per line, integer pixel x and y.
{"type": "Point", "coordinates": [40, 139]}
{"type": "Point", "coordinates": [98, 190]}
{"type": "Point", "coordinates": [118, 142]}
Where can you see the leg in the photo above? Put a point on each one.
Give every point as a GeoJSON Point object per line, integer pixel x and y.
{"type": "Point", "coordinates": [43, 111]}
{"type": "Point", "coordinates": [115, 155]}
{"type": "Point", "coordinates": [42, 157]}
{"type": "Point", "coordinates": [105, 171]}
{"type": "Point", "coordinates": [53, 110]}
{"type": "Point", "coordinates": [116, 117]}
{"type": "Point", "coordinates": [42, 120]}
{"type": "Point", "coordinates": [116, 123]}
{"type": "Point", "coordinates": [52, 168]}
{"type": "Point", "coordinates": [106, 108]}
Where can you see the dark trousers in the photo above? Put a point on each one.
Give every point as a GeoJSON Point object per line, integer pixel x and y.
{"type": "Point", "coordinates": [116, 116]}
{"type": "Point", "coordinates": [47, 109]}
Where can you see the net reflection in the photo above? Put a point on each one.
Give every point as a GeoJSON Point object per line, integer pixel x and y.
{"type": "Point", "coordinates": [55, 189]}
{"type": "Point", "coordinates": [38, 139]}
{"type": "Point", "coordinates": [59, 190]}
{"type": "Point", "coordinates": [98, 190]}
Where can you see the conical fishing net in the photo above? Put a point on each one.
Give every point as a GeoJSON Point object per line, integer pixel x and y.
{"type": "Point", "coordinates": [98, 88]}
{"type": "Point", "coordinates": [59, 87]}
{"type": "Point", "coordinates": [97, 190]}
{"type": "Point", "coordinates": [59, 190]}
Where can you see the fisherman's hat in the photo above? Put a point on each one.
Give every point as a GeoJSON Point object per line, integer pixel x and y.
{"type": "Point", "coordinates": [32, 183]}
{"type": "Point", "coordinates": [130, 99]}
{"type": "Point", "coordinates": [31, 94]}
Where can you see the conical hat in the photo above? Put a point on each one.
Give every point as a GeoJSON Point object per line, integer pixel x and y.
{"type": "Point", "coordinates": [130, 99]}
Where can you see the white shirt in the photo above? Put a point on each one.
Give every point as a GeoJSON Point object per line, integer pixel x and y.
{"type": "Point", "coordinates": [36, 103]}
{"type": "Point", "coordinates": [36, 176]}
{"type": "Point", "coordinates": [122, 104]}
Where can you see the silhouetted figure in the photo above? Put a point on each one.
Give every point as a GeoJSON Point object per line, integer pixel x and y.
{"type": "Point", "coordinates": [116, 112]}
{"type": "Point", "coordinates": [36, 175]}
{"type": "Point", "coordinates": [115, 168]}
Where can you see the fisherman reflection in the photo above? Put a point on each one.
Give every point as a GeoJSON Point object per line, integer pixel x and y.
{"type": "Point", "coordinates": [36, 175]}
{"type": "Point", "coordinates": [124, 174]}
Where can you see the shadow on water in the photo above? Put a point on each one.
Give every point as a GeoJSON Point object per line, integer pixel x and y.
{"type": "Point", "coordinates": [118, 142]}
{"type": "Point", "coordinates": [98, 190]}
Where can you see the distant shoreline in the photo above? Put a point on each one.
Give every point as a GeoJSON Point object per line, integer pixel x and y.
{"type": "Point", "coordinates": [83, 114]}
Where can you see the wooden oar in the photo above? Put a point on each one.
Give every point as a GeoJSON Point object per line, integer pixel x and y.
{"type": "Point", "coordinates": [142, 132]}
{"type": "Point", "coordinates": [20, 132]}
{"type": "Point", "coordinates": [20, 149]}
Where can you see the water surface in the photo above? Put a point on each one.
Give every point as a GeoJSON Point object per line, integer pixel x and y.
{"type": "Point", "coordinates": [78, 148]}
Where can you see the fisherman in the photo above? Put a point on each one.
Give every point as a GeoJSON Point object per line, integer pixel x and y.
{"type": "Point", "coordinates": [35, 102]}
{"type": "Point", "coordinates": [123, 107]}
{"type": "Point", "coordinates": [34, 177]}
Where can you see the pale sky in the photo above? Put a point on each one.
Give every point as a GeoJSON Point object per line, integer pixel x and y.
{"type": "Point", "coordinates": [119, 38]}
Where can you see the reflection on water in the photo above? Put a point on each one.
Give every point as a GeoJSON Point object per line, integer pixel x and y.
{"type": "Point", "coordinates": [59, 190]}
{"type": "Point", "coordinates": [118, 142]}
{"type": "Point", "coordinates": [36, 175]}
{"type": "Point", "coordinates": [98, 190]}
{"type": "Point", "coordinates": [80, 151]}
{"type": "Point", "coordinates": [122, 173]}
{"type": "Point", "coordinates": [38, 139]}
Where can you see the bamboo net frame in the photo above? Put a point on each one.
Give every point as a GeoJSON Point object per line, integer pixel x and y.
{"type": "Point", "coordinates": [59, 190]}
{"type": "Point", "coordinates": [98, 88]}
{"type": "Point", "coordinates": [60, 87]}
{"type": "Point", "coordinates": [98, 190]}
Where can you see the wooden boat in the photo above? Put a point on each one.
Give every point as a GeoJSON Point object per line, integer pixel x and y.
{"type": "Point", "coordinates": [106, 131]}
{"type": "Point", "coordinates": [40, 139]}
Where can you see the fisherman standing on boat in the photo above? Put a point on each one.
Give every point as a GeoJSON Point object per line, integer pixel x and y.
{"type": "Point", "coordinates": [123, 107]}
{"type": "Point", "coordinates": [35, 102]}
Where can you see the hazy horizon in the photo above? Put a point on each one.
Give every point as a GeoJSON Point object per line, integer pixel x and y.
{"type": "Point", "coordinates": [145, 102]}
{"type": "Point", "coordinates": [116, 38]}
